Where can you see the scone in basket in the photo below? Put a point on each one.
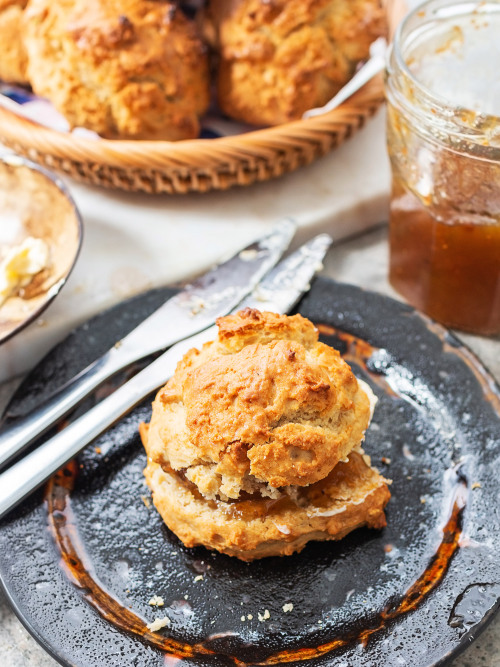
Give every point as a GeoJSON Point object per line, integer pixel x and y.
{"type": "Point", "coordinates": [197, 165]}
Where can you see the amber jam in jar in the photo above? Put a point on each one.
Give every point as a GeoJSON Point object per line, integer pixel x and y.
{"type": "Point", "coordinates": [443, 93]}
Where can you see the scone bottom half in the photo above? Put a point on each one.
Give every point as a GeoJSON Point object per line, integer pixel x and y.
{"type": "Point", "coordinates": [254, 444]}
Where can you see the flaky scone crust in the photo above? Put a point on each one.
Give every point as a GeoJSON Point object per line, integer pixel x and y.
{"type": "Point", "coordinates": [122, 68]}
{"type": "Point", "coordinates": [279, 58]}
{"type": "Point", "coordinates": [266, 403]}
{"type": "Point", "coordinates": [13, 58]}
{"type": "Point", "coordinates": [353, 495]}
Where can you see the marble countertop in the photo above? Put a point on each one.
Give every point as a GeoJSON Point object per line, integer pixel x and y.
{"type": "Point", "coordinates": [363, 261]}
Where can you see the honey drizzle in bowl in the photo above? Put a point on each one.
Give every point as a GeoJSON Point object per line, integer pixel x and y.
{"type": "Point", "coordinates": [76, 563]}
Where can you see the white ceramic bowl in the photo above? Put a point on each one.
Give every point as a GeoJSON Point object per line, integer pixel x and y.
{"type": "Point", "coordinates": [35, 203]}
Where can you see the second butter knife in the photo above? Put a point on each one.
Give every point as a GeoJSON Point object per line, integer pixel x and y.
{"type": "Point", "coordinates": [193, 309]}
{"type": "Point", "coordinates": [279, 291]}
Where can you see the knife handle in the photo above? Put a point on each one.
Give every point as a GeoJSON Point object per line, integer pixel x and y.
{"type": "Point", "coordinates": [35, 468]}
{"type": "Point", "coordinates": [31, 471]}
{"type": "Point", "coordinates": [15, 437]}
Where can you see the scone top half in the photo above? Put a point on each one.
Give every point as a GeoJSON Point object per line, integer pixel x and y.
{"type": "Point", "coordinates": [265, 406]}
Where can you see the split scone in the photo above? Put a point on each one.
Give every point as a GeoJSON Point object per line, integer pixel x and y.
{"type": "Point", "coordinates": [278, 59]}
{"type": "Point", "coordinates": [13, 58]}
{"type": "Point", "coordinates": [125, 69]}
{"type": "Point", "coordinates": [254, 443]}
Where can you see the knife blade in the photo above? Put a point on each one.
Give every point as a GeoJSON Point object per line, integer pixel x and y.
{"type": "Point", "coordinates": [278, 292]}
{"type": "Point", "coordinates": [193, 309]}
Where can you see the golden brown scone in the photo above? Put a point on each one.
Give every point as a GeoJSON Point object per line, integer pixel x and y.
{"type": "Point", "coordinates": [264, 406]}
{"type": "Point", "coordinates": [122, 68]}
{"type": "Point", "coordinates": [351, 496]}
{"type": "Point", "coordinates": [254, 444]}
{"type": "Point", "coordinates": [279, 58]}
{"type": "Point", "coordinates": [13, 59]}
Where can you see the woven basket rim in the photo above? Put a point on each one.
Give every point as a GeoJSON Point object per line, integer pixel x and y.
{"type": "Point", "coordinates": [150, 154]}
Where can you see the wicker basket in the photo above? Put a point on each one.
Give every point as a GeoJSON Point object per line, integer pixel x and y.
{"type": "Point", "coordinates": [197, 165]}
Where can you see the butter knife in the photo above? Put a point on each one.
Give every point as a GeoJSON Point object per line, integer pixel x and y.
{"type": "Point", "coordinates": [194, 309]}
{"type": "Point", "coordinates": [279, 291]}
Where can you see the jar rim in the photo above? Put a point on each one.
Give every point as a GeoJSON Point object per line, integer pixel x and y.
{"type": "Point", "coordinates": [455, 118]}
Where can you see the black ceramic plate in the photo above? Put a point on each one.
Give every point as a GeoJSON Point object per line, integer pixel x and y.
{"type": "Point", "coordinates": [81, 559]}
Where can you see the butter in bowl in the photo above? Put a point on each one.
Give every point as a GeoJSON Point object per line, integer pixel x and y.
{"type": "Point", "coordinates": [40, 238]}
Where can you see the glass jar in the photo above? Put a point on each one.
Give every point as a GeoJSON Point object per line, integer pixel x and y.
{"type": "Point", "coordinates": [443, 95]}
